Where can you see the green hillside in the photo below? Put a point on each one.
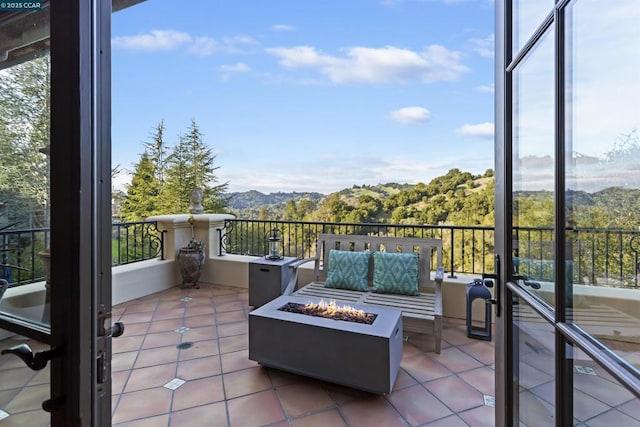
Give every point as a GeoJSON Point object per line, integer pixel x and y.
{"type": "Point", "coordinates": [457, 197]}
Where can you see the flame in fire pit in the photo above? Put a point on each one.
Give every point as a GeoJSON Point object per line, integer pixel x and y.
{"type": "Point", "coordinates": [331, 310]}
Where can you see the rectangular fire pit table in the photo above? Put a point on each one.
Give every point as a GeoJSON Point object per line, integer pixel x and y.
{"type": "Point", "coordinates": [366, 357]}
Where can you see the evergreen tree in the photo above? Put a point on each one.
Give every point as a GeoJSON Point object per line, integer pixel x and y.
{"type": "Point", "coordinates": [156, 150]}
{"type": "Point", "coordinates": [291, 211]}
{"type": "Point", "coordinates": [142, 198]}
{"type": "Point", "coordinates": [190, 165]}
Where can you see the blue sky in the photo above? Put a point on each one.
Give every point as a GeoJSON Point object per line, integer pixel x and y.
{"type": "Point", "coordinates": [309, 96]}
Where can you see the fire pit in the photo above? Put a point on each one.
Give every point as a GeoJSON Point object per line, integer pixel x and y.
{"type": "Point", "coordinates": [330, 310]}
{"type": "Point", "coordinates": [348, 352]}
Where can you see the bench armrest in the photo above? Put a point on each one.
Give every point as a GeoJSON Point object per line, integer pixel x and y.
{"type": "Point", "coordinates": [291, 287]}
{"type": "Point", "coordinates": [439, 277]}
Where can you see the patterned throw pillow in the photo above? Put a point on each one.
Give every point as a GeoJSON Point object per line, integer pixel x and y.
{"type": "Point", "coordinates": [348, 270]}
{"type": "Point", "coordinates": [395, 273]}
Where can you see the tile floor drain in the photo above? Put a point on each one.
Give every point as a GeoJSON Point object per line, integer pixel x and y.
{"type": "Point", "coordinates": [184, 345]}
{"type": "Point", "coordinates": [174, 384]}
{"type": "Point", "coordinates": [489, 400]}
{"type": "Point", "coordinates": [584, 370]}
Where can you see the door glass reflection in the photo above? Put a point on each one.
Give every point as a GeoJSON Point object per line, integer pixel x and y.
{"type": "Point", "coordinates": [599, 399]}
{"type": "Point", "coordinates": [533, 171]}
{"type": "Point", "coordinates": [22, 390]}
{"type": "Point", "coordinates": [534, 366]}
{"type": "Point", "coordinates": [602, 180]}
{"type": "Point", "coordinates": [24, 188]}
{"type": "Point", "coordinates": [527, 16]}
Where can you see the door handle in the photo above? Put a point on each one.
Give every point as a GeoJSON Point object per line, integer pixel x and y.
{"type": "Point", "coordinates": [533, 284]}
{"type": "Point", "coordinates": [117, 329]}
{"type": "Point", "coordinates": [497, 301]}
{"type": "Point", "coordinates": [36, 361]}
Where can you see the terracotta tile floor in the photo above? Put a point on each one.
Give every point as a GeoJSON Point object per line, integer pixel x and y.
{"type": "Point", "coordinates": [199, 336]}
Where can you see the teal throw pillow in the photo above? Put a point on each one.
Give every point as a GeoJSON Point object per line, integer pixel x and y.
{"type": "Point", "coordinates": [348, 270]}
{"type": "Point", "coordinates": [395, 273]}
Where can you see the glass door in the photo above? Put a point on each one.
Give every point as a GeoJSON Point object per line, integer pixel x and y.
{"type": "Point", "coordinates": [25, 117]}
{"type": "Point", "coordinates": [532, 343]}
{"type": "Point", "coordinates": [567, 222]}
{"type": "Point", "coordinates": [55, 292]}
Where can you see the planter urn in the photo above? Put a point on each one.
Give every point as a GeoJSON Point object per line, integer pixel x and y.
{"type": "Point", "coordinates": [190, 261]}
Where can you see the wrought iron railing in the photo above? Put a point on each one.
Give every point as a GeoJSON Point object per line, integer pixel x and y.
{"type": "Point", "coordinates": [19, 249]}
{"type": "Point", "coordinates": [136, 241]}
{"type": "Point", "coordinates": [597, 256]}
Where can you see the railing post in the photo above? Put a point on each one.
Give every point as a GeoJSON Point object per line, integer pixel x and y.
{"type": "Point", "coordinates": [452, 274]}
{"type": "Point", "coordinates": [634, 244]}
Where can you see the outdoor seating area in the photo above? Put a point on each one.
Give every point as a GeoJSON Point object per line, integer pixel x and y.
{"type": "Point", "coordinates": [399, 279]}
{"type": "Point", "coordinates": [184, 361]}
{"type": "Point", "coordinates": [200, 336]}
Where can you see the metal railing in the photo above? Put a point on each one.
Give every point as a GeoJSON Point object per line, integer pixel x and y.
{"type": "Point", "coordinates": [467, 249]}
{"type": "Point", "coordinates": [19, 249]}
{"type": "Point", "coordinates": [605, 257]}
{"type": "Point", "coordinates": [136, 241]}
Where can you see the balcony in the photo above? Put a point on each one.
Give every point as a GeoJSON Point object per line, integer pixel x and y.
{"type": "Point", "coordinates": [223, 387]}
{"type": "Point", "coordinates": [200, 336]}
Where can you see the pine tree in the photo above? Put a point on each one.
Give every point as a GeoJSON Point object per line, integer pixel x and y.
{"type": "Point", "coordinates": [142, 198]}
{"type": "Point", "coordinates": [156, 150]}
{"type": "Point", "coordinates": [190, 165]}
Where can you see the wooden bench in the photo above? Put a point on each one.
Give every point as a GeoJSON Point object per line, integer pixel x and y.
{"type": "Point", "coordinates": [416, 310]}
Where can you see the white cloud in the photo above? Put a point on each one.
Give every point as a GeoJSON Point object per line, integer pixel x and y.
{"type": "Point", "coordinates": [344, 170]}
{"type": "Point", "coordinates": [155, 40]}
{"type": "Point", "coordinates": [410, 115]}
{"type": "Point", "coordinates": [238, 44]}
{"type": "Point", "coordinates": [484, 47]}
{"type": "Point", "coordinates": [376, 65]}
{"type": "Point", "coordinates": [240, 39]}
{"type": "Point", "coordinates": [283, 27]}
{"type": "Point", "coordinates": [228, 70]}
{"type": "Point", "coordinates": [483, 130]}
{"type": "Point", "coordinates": [238, 67]}
{"type": "Point", "coordinates": [203, 46]}
{"type": "Point", "coordinates": [340, 172]}
{"type": "Point", "coordinates": [486, 88]}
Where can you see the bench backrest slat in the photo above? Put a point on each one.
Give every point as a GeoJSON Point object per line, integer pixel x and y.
{"type": "Point", "coordinates": [425, 247]}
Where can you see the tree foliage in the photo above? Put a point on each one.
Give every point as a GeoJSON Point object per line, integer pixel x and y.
{"type": "Point", "coordinates": [164, 177]}
{"type": "Point", "coordinates": [24, 136]}
{"type": "Point", "coordinates": [143, 194]}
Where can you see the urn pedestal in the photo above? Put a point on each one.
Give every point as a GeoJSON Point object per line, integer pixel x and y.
{"type": "Point", "coordinates": [190, 261]}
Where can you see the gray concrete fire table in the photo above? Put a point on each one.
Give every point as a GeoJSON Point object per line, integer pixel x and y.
{"type": "Point", "coordinates": [366, 357]}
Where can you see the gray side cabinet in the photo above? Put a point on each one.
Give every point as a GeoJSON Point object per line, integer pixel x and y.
{"type": "Point", "coordinates": [268, 279]}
